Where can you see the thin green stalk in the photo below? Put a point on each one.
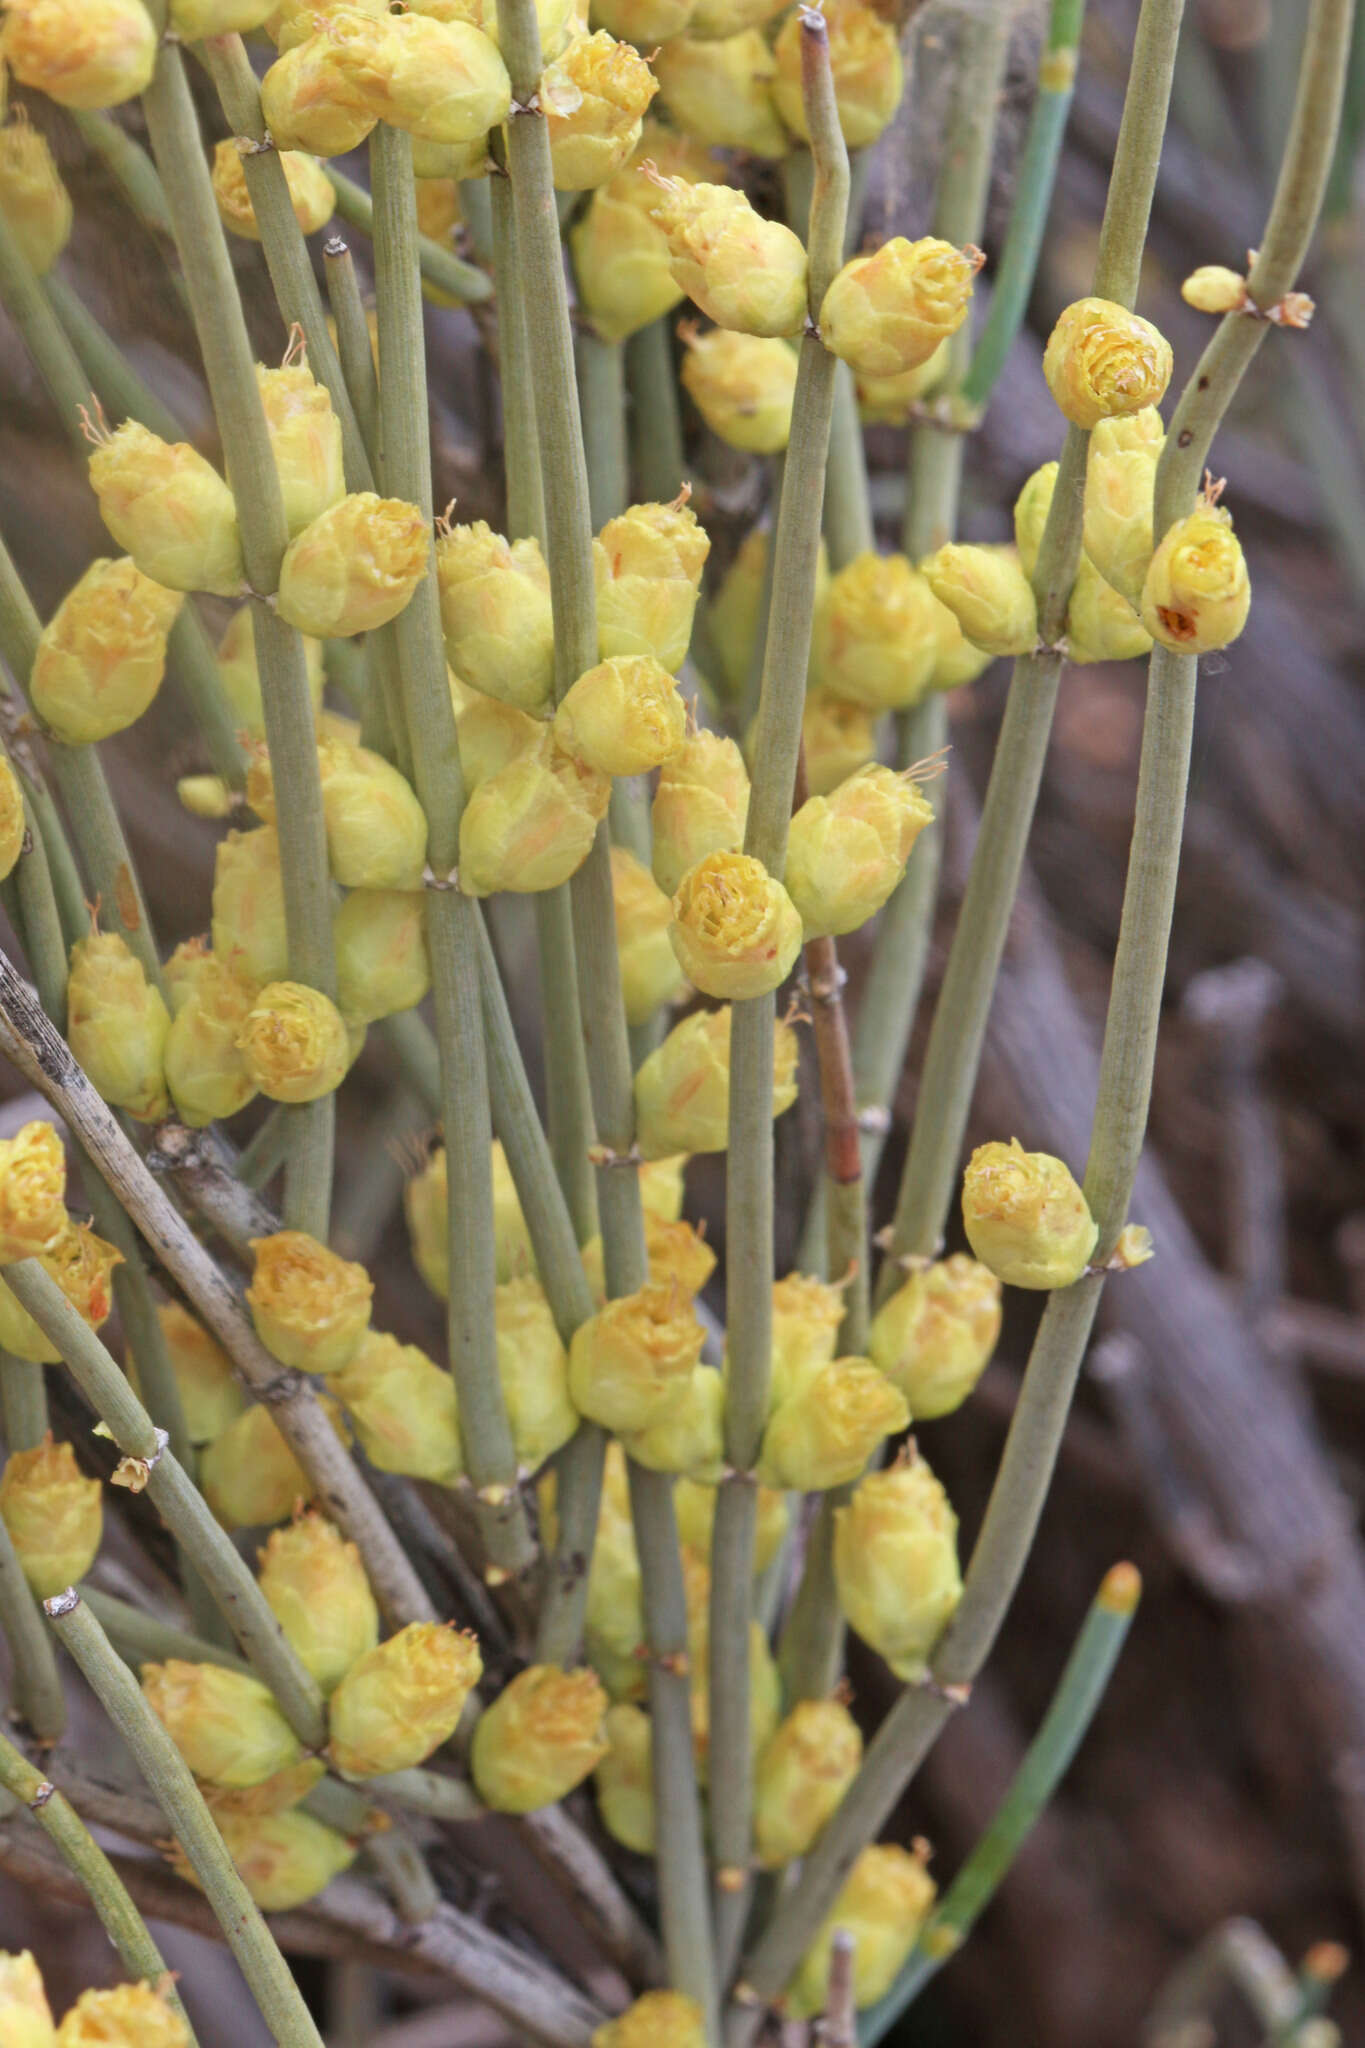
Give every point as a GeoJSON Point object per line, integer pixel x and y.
{"type": "Point", "coordinates": [452, 917]}
{"type": "Point", "coordinates": [82, 1855]}
{"type": "Point", "coordinates": [602, 403]}
{"type": "Point", "coordinates": [267, 1974]}
{"type": "Point", "coordinates": [168, 1486]}
{"type": "Point", "coordinates": [1137, 153]}
{"type": "Point", "coordinates": [438, 265]}
{"type": "Point", "coordinates": [37, 1684]}
{"type": "Point", "coordinates": [177, 145]}
{"type": "Point", "coordinates": [1034, 181]}
{"type": "Point", "coordinates": [848, 511]}
{"type": "Point", "coordinates": [132, 168]}
{"type": "Point", "coordinates": [1079, 1692]}
{"type": "Point", "coordinates": [516, 377]}
{"type": "Point", "coordinates": [142, 1638]}
{"type": "Point", "coordinates": [282, 241]}
{"type": "Point", "coordinates": [749, 1158]}
{"type": "Point", "coordinates": [31, 900]}
{"type": "Point", "coordinates": [354, 347]}
{"type": "Point", "coordinates": [23, 1403]}
{"type": "Point", "coordinates": [30, 1042]}
{"type": "Point", "coordinates": [120, 389]}
{"type": "Point", "coordinates": [262, 1157]}
{"type": "Point", "coordinates": [193, 662]}
{"type": "Point", "coordinates": [656, 445]}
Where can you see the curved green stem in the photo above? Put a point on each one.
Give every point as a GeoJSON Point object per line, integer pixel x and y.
{"type": "Point", "coordinates": [37, 1684]}
{"type": "Point", "coordinates": [439, 266]}
{"type": "Point", "coordinates": [355, 350]}
{"type": "Point", "coordinates": [266, 1972]}
{"type": "Point", "coordinates": [121, 391]}
{"type": "Point", "coordinates": [1079, 1692]}
{"type": "Point", "coordinates": [82, 1855]}
{"type": "Point", "coordinates": [656, 444]}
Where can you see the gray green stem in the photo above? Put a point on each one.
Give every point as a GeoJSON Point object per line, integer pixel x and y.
{"type": "Point", "coordinates": [439, 266]}
{"type": "Point", "coordinates": [37, 1684]}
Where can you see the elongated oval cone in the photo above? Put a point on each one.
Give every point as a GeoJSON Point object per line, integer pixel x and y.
{"type": "Point", "coordinates": [743, 386]}
{"type": "Point", "coordinates": [225, 1724]}
{"type": "Point", "coordinates": [895, 1564]}
{"type": "Point", "coordinates": [305, 439]}
{"type": "Point", "coordinates": [284, 1859]}
{"type": "Point", "coordinates": [496, 615]}
{"type": "Point", "coordinates": [211, 1396]}
{"type": "Point", "coordinates": [81, 1264]}
{"type": "Point", "coordinates": [823, 1434]}
{"type": "Point", "coordinates": [249, 1476]}
{"type": "Point", "coordinates": [1102, 361]}
{"type": "Point", "coordinates": [882, 1905]}
{"type": "Point", "coordinates": [354, 567]}
{"type": "Point", "coordinates": [533, 1368]}
{"type": "Point", "coordinates": [402, 1700]}
{"type": "Point", "coordinates": [206, 1071]}
{"type": "Point", "coordinates": [682, 1091]}
{"type": "Point", "coordinates": [249, 931]}
{"type": "Point", "coordinates": [690, 1440]}
{"type": "Point", "coordinates": [743, 271]}
{"type": "Point", "coordinates": [404, 1409]}
{"type": "Point", "coordinates": [309, 100]}
{"type": "Point", "coordinates": [310, 190]}
{"type": "Point", "coordinates": [531, 825]}
{"type": "Point", "coordinates": [988, 594]}
{"type": "Point", "coordinates": [542, 1735]}
{"type": "Point", "coordinates": [735, 929]}
{"type": "Point", "coordinates": [807, 1314]}
{"type": "Point", "coordinates": [650, 974]}
{"type": "Point", "coordinates": [33, 1214]}
{"type": "Point", "coordinates": [128, 2016]}
{"type": "Point", "coordinates": [886, 314]}
{"type": "Point", "coordinates": [720, 91]}
{"type": "Point", "coordinates": [695, 1507]}
{"type": "Point", "coordinates": [35, 203]}
{"type": "Point", "coordinates": [624, 1779]}
{"type": "Point", "coordinates": [1196, 595]}
{"type": "Point", "coordinates": [54, 1516]}
{"type": "Point", "coordinates": [803, 1772]}
{"type": "Point", "coordinates": [310, 1306]}
{"type": "Point", "coordinates": [318, 1592]}
{"type": "Point", "coordinates": [169, 509]}
{"type": "Point", "coordinates": [700, 806]}
{"type": "Point", "coordinates": [876, 635]}
{"type": "Point", "coordinates": [117, 1025]}
{"type": "Point", "coordinates": [383, 965]}
{"type": "Point", "coordinates": [594, 98]}
{"type": "Point", "coordinates": [934, 1337]}
{"type": "Point", "coordinates": [868, 72]}
{"type": "Point", "coordinates": [1025, 1216]}
{"type": "Point", "coordinates": [630, 1365]}
{"type": "Point", "coordinates": [847, 851]}
{"type": "Point", "coordinates": [623, 717]}
{"type": "Point", "coordinates": [81, 53]}
{"type": "Point", "coordinates": [25, 2015]}
{"type": "Point", "coordinates": [241, 677]}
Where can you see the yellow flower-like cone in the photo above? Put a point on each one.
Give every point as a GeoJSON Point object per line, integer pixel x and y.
{"type": "Point", "coordinates": [700, 806]}
{"type": "Point", "coordinates": [735, 929]}
{"type": "Point", "coordinates": [623, 717]}
{"type": "Point", "coordinates": [887, 401]}
{"type": "Point", "coordinates": [1212, 288]}
{"type": "Point", "coordinates": [318, 1592]}
{"type": "Point", "coordinates": [876, 633]}
{"type": "Point", "coordinates": [695, 1506]}
{"type": "Point", "coordinates": [650, 974]}
{"type": "Point", "coordinates": [496, 616]}
{"type": "Point", "coordinates": [647, 566]}
{"type": "Point", "coordinates": [376, 828]}
{"type": "Point", "coordinates": [865, 58]}
{"type": "Point", "coordinates": [295, 1042]}
{"type": "Point", "coordinates": [533, 1368]}
{"type": "Point", "coordinates": [720, 91]}
{"type": "Point", "coordinates": [847, 851]}
{"type": "Point", "coordinates": [691, 1437]}
{"type": "Point", "coordinates": [646, 23]}
{"type": "Point", "coordinates": [402, 1700]}
{"type": "Point", "coordinates": [887, 313]}
{"type": "Point", "coordinates": [381, 952]}
{"type": "Point", "coordinates": [284, 1859]}
{"type": "Point", "coordinates": [807, 1314]}
{"type": "Point", "coordinates": [249, 931]}
{"type": "Point", "coordinates": [731, 17]}
{"type": "Point", "coordinates": [682, 1091]}
{"type": "Point", "coordinates": [355, 567]}
{"type": "Point", "coordinates": [81, 1264]}
{"type": "Point", "coordinates": [631, 1364]}
{"type": "Point", "coordinates": [128, 2016]}
{"type": "Point", "coordinates": [803, 1772]}
{"type": "Point", "coordinates": [624, 1779]}
{"type": "Point", "coordinates": [25, 2015]}
{"type": "Point", "coordinates": [102, 655]}
{"type": "Point", "coordinates": [531, 825]}
{"type": "Point", "coordinates": [676, 1254]}
{"type": "Point", "coordinates": [225, 1724]}
{"type": "Point", "coordinates": [934, 1338]}
{"type": "Point", "coordinates": [1100, 624]}
{"type": "Point", "coordinates": [737, 607]}
{"type": "Point", "coordinates": [403, 1407]}
{"type": "Point", "coordinates": [275, 1794]}
{"type": "Point", "coordinates": [895, 1564]}
{"type": "Point", "coordinates": [823, 1434]}
{"type": "Point", "coordinates": [743, 386]}
{"type": "Point", "coordinates": [1102, 361]}
{"type": "Point", "coordinates": [241, 677]}
{"type": "Point", "coordinates": [308, 100]}
{"type": "Point", "coordinates": [743, 271]}
{"type": "Point", "coordinates": [310, 190]}
{"type": "Point", "coordinates": [206, 1072]}
{"type": "Point", "coordinates": [33, 200]}
{"type": "Point", "coordinates": [491, 734]}
{"type": "Point", "coordinates": [882, 1905]}
{"type": "Point", "coordinates": [620, 257]}
{"type": "Point", "coordinates": [839, 738]}
{"type": "Point", "coordinates": [13, 823]}
{"type": "Point", "coordinates": [1197, 594]}
{"type": "Point", "coordinates": [426, 1207]}
{"type": "Point", "coordinates": [310, 1306]}
{"type": "Point", "coordinates": [661, 2019]}
{"type": "Point", "coordinates": [249, 1475]}
{"type": "Point", "coordinates": [1118, 516]}
{"type": "Point", "coordinates": [542, 1735]}
{"type": "Point", "coordinates": [169, 509]}
{"type": "Point", "coordinates": [442, 81]}
{"type": "Point", "coordinates": [117, 1025]}
{"type": "Point", "coordinates": [81, 53]}
{"type": "Point", "coordinates": [594, 98]}
{"type": "Point", "coordinates": [33, 1215]}
{"type": "Point", "coordinates": [305, 439]}
{"type": "Point", "coordinates": [53, 1514]}
{"type": "Point", "coordinates": [1025, 1216]}
{"type": "Point", "coordinates": [988, 594]}
{"type": "Point", "coordinates": [210, 1396]}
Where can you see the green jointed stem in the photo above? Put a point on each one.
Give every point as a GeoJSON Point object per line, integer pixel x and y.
{"type": "Point", "coordinates": [516, 379]}
{"type": "Point", "coordinates": [112, 377]}
{"type": "Point", "coordinates": [23, 1403]}
{"type": "Point", "coordinates": [229, 365]}
{"type": "Point", "coordinates": [37, 1685]}
{"type": "Point", "coordinates": [1079, 1692]}
{"type": "Point", "coordinates": [602, 402]}
{"type": "Point", "coordinates": [282, 239]}
{"type": "Point", "coordinates": [266, 1972]}
{"type": "Point", "coordinates": [848, 510]}
{"type": "Point", "coordinates": [438, 266]}
{"type": "Point", "coordinates": [1036, 176]}
{"type": "Point", "coordinates": [355, 349]}
{"type": "Point", "coordinates": [749, 1158]}
{"type": "Point", "coordinates": [1137, 153]}
{"type": "Point", "coordinates": [30, 1042]}
{"type": "Point", "coordinates": [452, 917]}
{"type": "Point", "coordinates": [174, 1494]}
{"type": "Point", "coordinates": [80, 1852]}
{"type": "Point", "coordinates": [193, 663]}
{"type": "Point", "coordinates": [656, 446]}
{"type": "Point", "coordinates": [131, 166]}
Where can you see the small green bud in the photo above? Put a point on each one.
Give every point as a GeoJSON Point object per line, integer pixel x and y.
{"type": "Point", "coordinates": [700, 806]}
{"type": "Point", "coordinates": [310, 1306]}
{"type": "Point", "coordinates": [354, 567]}
{"type": "Point", "coordinates": [823, 1434]}
{"type": "Point", "coordinates": [225, 1724]}
{"type": "Point", "coordinates": [934, 1337]}
{"type": "Point", "coordinates": [402, 1700]}
{"type": "Point", "coordinates": [381, 952]}
{"type": "Point", "coordinates": [316, 1588]}
{"type": "Point", "coordinates": [542, 1735]}
{"type": "Point", "coordinates": [895, 1564]}
{"type": "Point", "coordinates": [1025, 1216]}
{"type": "Point", "coordinates": [54, 1516]}
{"type": "Point", "coordinates": [631, 1364]}
{"type": "Point", "coordinates": [1212, 288]}
{"type": "Point", "coordinates": [803, 1772]}
{"type": "Point", "coordinates": [404, 1409]}
{"type": "Point", "coordinates": [117, 1025]}
{"type": "Point", "coordinates": [496, 615]}
{"type": "Point", "coordinates": [624, 1779]}
{"type": "Point", "coordinates": [682, 1091]}
{"type": "Point", "coordinates": [882, 1905]}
